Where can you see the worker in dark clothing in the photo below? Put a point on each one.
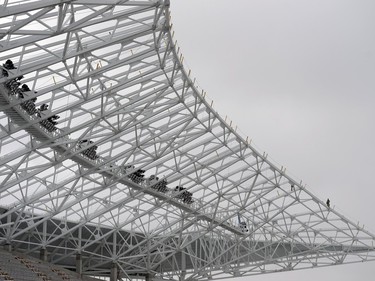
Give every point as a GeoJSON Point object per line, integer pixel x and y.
{"type": "Point", "coordinates": [328, 203]}
{"type": "Point", "coordinates": [53, 119]}
{"type": "Point", "coordinates": [9, 65]}
{"type": "Point", "coordinates": [43, 107]}
{"type": "Point", "coordinates": [25, 88]}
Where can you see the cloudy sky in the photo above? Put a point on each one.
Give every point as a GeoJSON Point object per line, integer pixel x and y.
{"type": "Point", "coordinates": [298, 78]}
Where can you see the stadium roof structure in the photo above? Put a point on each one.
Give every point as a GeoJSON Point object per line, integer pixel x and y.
{"type": "Point", "coordinates": [112, 163]}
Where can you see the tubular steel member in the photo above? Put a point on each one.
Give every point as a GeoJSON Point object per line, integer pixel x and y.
{"type": "Point", "coordinates": [107, 104]}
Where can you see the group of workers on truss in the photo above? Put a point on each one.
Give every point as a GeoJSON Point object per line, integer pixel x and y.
{"type": "Point", "coordinates": [28, 105]}
{"type": "Point", "coordinates": [89, 152]}
{"type": "Point", "coordinates": [50, 123]}
{"type": "Point", "coordinates": [138, 177]}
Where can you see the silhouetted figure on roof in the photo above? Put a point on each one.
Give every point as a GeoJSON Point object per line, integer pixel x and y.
{"type": "Point", "coordinates": [328, 203]}
{"type": "Point", "coordinates": [91, 151]}
{"type": "Point", "coordinates": [19, 91]}
{"type": "Point", "coordinates": [13, 86]}
{"type": "Point", "coordinates": [162, 186]}
{"type": "Point", "coordinates": [50, 126]}
{"type": "Point", "coordinates": [179, 189]}
{"type": "Point", "coordinates": [152, 181]}
{"type": "Point", "coordinates": [136, 176]}
{"type": "Point", "coordinates": [53, 118]}
{"type": "Point", "coordinates": [186, 196]}
{"type": "Point", "coordinates": [28, 105]}
{"type": "Point", "coordinates": [9, 65]}
{"type": "Point", "coordinates": [25, 88]}
{"type": "Point", "coordinates": [43, 107]}
{"type": "Point", "coordinates": [49, 123]}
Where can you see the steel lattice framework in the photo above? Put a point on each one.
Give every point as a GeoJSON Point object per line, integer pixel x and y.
{"type": "Point", "coordinates": [76, 189]}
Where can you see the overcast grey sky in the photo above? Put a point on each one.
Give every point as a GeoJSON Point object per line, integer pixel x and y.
{"type": "Point", "coordinates": [298, 78]}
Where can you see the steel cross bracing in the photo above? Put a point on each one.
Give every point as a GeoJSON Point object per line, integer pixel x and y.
{"type": "Point", "coordinates": [114, 76]}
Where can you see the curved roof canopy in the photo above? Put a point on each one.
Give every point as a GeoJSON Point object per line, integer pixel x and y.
{"type": "Point", "coordinates": [110, 152]}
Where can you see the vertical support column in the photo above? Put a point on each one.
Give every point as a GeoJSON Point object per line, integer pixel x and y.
{"type": "Point", "coordinates": [80, 238]}
{"type": "Point", "coordinates": [44, 234]}
{"type": "Point", "coordinates": [114, 244]}
{"type": "Point", "coordinates": [79, 264]}
{"type": "Point", "coordinates": [8, 247]}
{"type": "Point", "coordinates": [183, 266]}
{"type": "Point", "coordinates": [43, 254]}
{"type": "Point", "coordinates": [149, 277]}
{"type": "Point", "coordinates": [113, 272]}
{"type": "Point", "coordinates": [79, 268]}
{"type": "Point", "coordinates": [114, 268]}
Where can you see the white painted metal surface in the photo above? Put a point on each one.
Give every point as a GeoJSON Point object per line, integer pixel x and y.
{"type": "Point", "coordinates": [114, 75]}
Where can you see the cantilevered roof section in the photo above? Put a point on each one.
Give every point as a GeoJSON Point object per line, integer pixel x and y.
{"type": "Point", "coordinates": [111, 134]}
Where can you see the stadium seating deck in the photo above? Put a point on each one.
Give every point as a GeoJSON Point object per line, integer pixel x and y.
{"type": "Point", "coordinates": [19, 267]}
